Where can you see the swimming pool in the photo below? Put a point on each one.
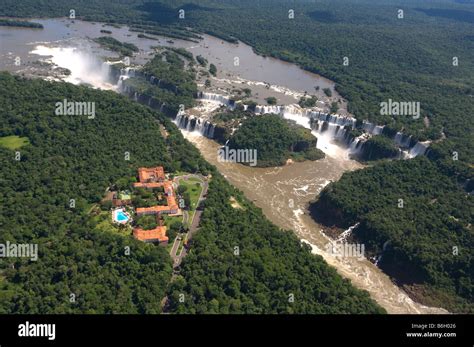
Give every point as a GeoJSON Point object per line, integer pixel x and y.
{"type": "Point", "coordinates": [120, 216]}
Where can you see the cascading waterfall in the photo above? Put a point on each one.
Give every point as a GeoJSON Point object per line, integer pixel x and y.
{"type": "Point", "coordinates": [192, 123]}
{"type": "Point", "coordinates": [326, 127]}
{"type": "Point", "coordinates": [125, 73]}
{"type": "Point", "coordinates": [372, 128]}
{"type": "Point", "coordinates": [418, 149]}
{"type": "Point", "coordinates": [222, 99]}
{"type": "Point", "coordinates": [84, 67]}
{"type": "Point", "coordinates": [269, 109]}
{"type": "Point", "coordinates": [346, 233]}
{"type": "Point", "coordinates": [402, 140]}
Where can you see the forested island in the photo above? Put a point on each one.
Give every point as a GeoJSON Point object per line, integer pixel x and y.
{"type": "Point", "coordinates": [20, 24]}
{"type": "Point", "coordinates": [165, 80]}
{"type": "Point", "coordinates": [379, 147]}
{"type": "Point", "coordinates": [276, 140]}
{"type": "Point", "coordinates": [114, 45]}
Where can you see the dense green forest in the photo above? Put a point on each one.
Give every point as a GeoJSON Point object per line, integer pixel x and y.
{"type": "Point", "coordinates": [72, 157]}
{"type": "Point", "coordinates": [20, 24]}
{"type": "Point", "coordinates": [418, 219]}
{"type": "Point", "coordinates": [379, 147]}
{"type": "Point", "coordinates": [406, 59]}
{"type": "Point", "coordinates": [165, 79]}
{"type": "Point", "coordinates": [412, 60]}
{"type": "Point", "coordinates": [241, 263]}
{"type": "Point", "coordinates": [276, 140]}
{"type": "Point", "coordinates": [122, 48]}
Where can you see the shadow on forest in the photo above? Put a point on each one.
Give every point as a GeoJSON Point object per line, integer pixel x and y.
{"type": "Point", "coordinates": [322, 16]}
{"type": "Point", "coordinates": [458, 15]}
{"type": "Point", "coordinates": [164, 14]}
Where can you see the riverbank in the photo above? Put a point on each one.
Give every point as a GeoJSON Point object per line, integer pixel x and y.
{"type": "Point", "coordinates": [283, 194]}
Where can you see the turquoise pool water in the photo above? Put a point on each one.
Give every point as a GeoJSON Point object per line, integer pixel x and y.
{"type": "Point", "coordinates": [121, 217]}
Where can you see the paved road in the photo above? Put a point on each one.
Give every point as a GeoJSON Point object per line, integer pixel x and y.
{"type": "Point", "coordinates": [177, 258]}
{"type": "Point", "coordinates": [175, 246]}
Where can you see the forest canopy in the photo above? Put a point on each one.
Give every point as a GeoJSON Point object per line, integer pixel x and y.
{"type": "Point", "coordinates": [276, 140]}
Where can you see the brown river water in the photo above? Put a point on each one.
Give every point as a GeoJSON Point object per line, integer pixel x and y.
{"type": "Point", "coordinates": [283, 193]}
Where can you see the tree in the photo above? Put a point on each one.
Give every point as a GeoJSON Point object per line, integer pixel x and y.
{"type": "Point", "coordinates": [212, 69]}
{"type": "Point", "coordinates": [271, 100]}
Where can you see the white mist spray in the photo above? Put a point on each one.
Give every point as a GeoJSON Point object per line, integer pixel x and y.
{"type": "Point", "coordinates": [85, 67]}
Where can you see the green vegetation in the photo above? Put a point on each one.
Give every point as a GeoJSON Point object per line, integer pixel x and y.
{"type": "Point", "coordinates": [308, 101]}
{"type": "Point", "coordinates": [201, 60]}
{"type": "Point", "coordinates": [176, 84]}
{"type": "Point", "coordinates": [226, 121]}
{"type": "Point", "coordinates": [190, 190]}
{"type": "Point", "coordinates": [20, 24]}
{"type": "Point", "coordinates": [143, 36]}
{"type": "Point", "coordinates": [174, 226]}
{"type": "Point", "coordinates": [334, 107]}
{"type": "Point", "coordinates": [74, 158]}
{"type": "Point", "coordinates": [404, 66]}
{"type": "Point", "coordinates": [276, 140]}
{"type": "Point", "coordinates": [227, 116]}
{"type": "Point", "coordinates": [271, 100]}
{"type": "Point", "coordinates": [146, 222]}
{"type": "Point", "coordinates": [387, 61]}
{"type": "Point", "coordinates": [212, 69]}
{"type": "Point", "coordinates": [165, 30]}
{"type": "Point", "coordinates": [327, 91]}
{"type": "Point", "coordinates": [379, 147]}
{"type": "Point", "coordinates": [13, 142]}
{"type": "Point", "coordinates": [419, 231]}
{"type": "Point", "coordinates": [103, 224]}
{"type": "Point", "coordinates": [148, 198]}
{"type": "Point", "coordinates": [81, 252]}
{"type": "Point", "coordinates": [183, 52]}
{"type": "Point", "coordinates": [270, 265]}
{"type": "Point", "coordinates": [103, 31]}
{"type": "Point", "coordinates": [122, 48]}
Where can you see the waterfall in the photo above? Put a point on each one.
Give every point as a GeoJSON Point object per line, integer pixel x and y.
{"type": "Point", "coordinates": [418, 149]}
{"type": "Point", "coordinates": [326, 127]}
{"type": "Point", "coordinates": [125, 73]}
{"type": "Point", "coordinates": [130, 72]}
{"type": "Point", "coordinates": [221, 99]}
{"type": "Point", "coordinates": [120, 82]}
{"type": "Point", "coordinates": [192, 123]}
{"type": "Point", "coordinates": [402, 140]}
{"type": "Point", "coordinates": [378, 130]}
{"type": "Point", "coordinates": [346, 233]}
{"type": "Point", "coordinates": [261, 109]}
{"type": "Point", "coordinates": [356, 146]}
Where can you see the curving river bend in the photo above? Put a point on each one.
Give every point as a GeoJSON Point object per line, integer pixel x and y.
{"type": "Point", "coordinates": [283, 194]}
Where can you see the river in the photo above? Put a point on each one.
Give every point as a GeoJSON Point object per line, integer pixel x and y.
{"type": "Point", "coordinates": [283, 193]}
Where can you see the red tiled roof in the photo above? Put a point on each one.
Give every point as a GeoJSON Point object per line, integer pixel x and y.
{"type": "Point", "coordinates": [148, 185]}
{"type": "Point", "coordinates": [147, 174]}
{"type": "Point", "coordinates": [155, 209]}
{"type": "Point", "coordinates": [158, 234]}
{"type": "Point", "coordinates": [152, 174]}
